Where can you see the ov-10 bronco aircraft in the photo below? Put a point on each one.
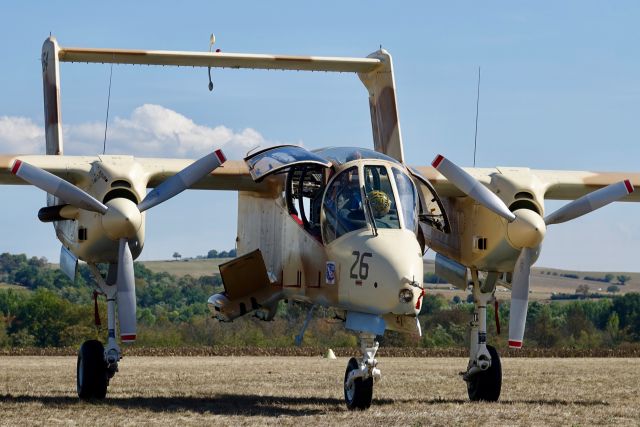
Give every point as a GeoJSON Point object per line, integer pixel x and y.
{"type": "Point", "coordinates": [336, 227]}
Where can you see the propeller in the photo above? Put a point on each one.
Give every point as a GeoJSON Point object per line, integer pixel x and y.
{"type": "Point", "coordinates": [526, 230]}
{"type": "Point", "coordinates": [520, 297]}
{"type": "Point", "coordinates": [126, 296]}
{"type": "Point", "coordinates": [472, 187]}
{"type": "Point", "coordinates": [182, 180]}
{"type": "Point", "coordinates": [590, 202]}
{"type": "Point", "coordinates": [57, 186]}
{"type": "Point", "coordinates": [121, 219]}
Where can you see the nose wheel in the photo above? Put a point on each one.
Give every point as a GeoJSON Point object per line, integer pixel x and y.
{"type": "Point", "coordinates": [361, 373]}
{"type": "Point", "coordinates": [358, 393]}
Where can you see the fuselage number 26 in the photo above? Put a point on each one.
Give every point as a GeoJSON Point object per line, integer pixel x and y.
{"type": "Point", "coordinates": [363, 271]}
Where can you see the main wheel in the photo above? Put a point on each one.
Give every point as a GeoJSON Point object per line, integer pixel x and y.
{"type": "Point", "coordinates": [486, 385]}
{"type": "Point", "coordinates": [360, 394]}
{"type": "Point", "coordinates": [91, 373]}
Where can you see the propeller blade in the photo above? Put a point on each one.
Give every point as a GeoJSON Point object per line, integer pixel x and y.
{"type": "Point", "coordinates": [520, 297]}
{"type": "Point", "coordinates": [126, 296]}
{"type": "Point", "coordinates": [182, 180]}
{"type": "Point", "coordinates": [472, 187]}
{"type": "Point", "coordinates": [57, 186]}
{"type": "Point", "coordinates": [590, 202]}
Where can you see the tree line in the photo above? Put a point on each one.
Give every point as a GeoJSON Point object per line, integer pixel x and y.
{"type": "Point", "coordinates": [47, 309]}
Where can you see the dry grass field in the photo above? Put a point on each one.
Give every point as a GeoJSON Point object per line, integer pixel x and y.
{"type": "Point", "coordinates": [192, 267]}
{"type": "Point", "coordinates": [308, 391]}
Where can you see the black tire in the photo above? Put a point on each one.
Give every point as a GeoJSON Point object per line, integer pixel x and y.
{"type": "Point", "coordinates": [486, 385]}
{"type": "Point", "coordinates": [91, 371]}
{"type": "Point", "coordinates": [360, 394]}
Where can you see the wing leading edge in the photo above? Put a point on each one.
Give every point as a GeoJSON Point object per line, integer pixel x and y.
{"type": "Point", "coordinates": [233, 175]}
{"type": "Point", "coordinates": [554, 184]}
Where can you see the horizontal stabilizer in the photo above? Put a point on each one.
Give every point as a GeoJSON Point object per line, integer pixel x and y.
{"type": "Point", "coordinates": [219, 60]}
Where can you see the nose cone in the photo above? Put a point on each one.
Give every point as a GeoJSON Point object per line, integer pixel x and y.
{"type": "Point", "coordinates": [527, 230]}
{"type": "Point", "coordinates": [376, 269]}
{"type": "Point", "coordinates": [122, 220]}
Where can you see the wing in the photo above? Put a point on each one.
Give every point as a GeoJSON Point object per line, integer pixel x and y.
{"type": "Point", "coordinates": [232, 175]}
{"type": "Point", "coordinates": [74, 169]}
{"type": "Point", "coordinates": [556, 184]}
{"type": "Point", "coordinates": [570, 185]}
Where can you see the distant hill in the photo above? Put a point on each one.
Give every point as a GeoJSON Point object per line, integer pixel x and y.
{"type": "Point", "coordinates": [544, 281]}
{"type": "Point", "coordinates": [188, 266]}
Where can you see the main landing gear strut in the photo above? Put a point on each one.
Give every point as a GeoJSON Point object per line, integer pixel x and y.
{"type": "Point", "coordinates": [484, 371]}
{"type": "Point", "coordinates": [97, 364]}
{"type": "Point", "coordinates": [361, 373]}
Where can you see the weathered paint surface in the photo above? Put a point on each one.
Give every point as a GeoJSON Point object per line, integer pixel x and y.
{"type": "Point", "coordinates": [385, 122]}
{"type": "Point", "coordinates": [51, 89]}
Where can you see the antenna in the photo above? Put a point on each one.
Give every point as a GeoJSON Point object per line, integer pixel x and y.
{"type": "Point", "coordinates": [475, 138]}
{"type": "Point", "coordinates": [212, 40]}
{"type": "Point", "coordinates": [106, 120]}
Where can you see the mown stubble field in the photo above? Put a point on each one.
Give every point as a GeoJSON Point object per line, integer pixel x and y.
{"type": "Point", "coordinates": [308, 391]}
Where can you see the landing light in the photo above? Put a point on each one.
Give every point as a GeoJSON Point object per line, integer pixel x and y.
{"type": "Point", "coordinates": [406, 296]}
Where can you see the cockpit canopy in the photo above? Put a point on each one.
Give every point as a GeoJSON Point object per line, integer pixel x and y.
{"type": "Point", "coordinates": [341, 155]}
{"type": "Point", "coordinates": [334, 191]}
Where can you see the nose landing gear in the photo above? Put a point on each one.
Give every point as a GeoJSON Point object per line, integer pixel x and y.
{"type": "Point", "coordinates": [360, 374]}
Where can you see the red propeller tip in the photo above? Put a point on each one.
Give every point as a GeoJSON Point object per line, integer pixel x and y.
{"type": "Point", "coordinates": [220, 156]}
{"type": "Point", "coordinates": [436, 162]}
{"type": "Point", "coordinates": [16, 166]}
{"type": "Point", "coordinates": [515, 344]}
{"type": "Point", "coordinates": [128, 338]}
{"type": "Point", "coordinates": [627, 184]}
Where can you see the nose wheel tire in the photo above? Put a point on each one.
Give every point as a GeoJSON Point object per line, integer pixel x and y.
{"type": "Point", "coordinates": [92, 378]}
{"type": "Point", "coordinates": [486, 385]}
{"type": "Point", "coordinates": [360, 393]}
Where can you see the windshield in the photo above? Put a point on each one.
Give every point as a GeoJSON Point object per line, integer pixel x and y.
{"type": "Point", "coordinates": [342, 207]}
{"type": "Point", "coordinates": [408, 199]}
{"type": "Point", "coordinates": [380, 194]}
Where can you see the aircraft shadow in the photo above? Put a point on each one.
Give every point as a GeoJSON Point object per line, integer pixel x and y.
{"type": "Point", "coordinates": [254, 405]}
{"type": "Point", "coordinates": [224, 404]}
{"type": "Point", "coordinates": [545, 402]}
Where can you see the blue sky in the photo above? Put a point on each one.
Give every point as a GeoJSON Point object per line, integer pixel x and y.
{"type": "Point", "coordinates": [560, 90]}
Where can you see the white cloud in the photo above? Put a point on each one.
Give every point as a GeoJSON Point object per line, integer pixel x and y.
{"type": "Point", "coordinates": [151, 130]}
{"type": "Point", "coordinates": [20, 135]}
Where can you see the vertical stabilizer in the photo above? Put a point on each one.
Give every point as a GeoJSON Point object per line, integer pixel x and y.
{"type": "Point", "coordinates": [51, 86]}
{"type": "Point", "coordinates": [385, 122]}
